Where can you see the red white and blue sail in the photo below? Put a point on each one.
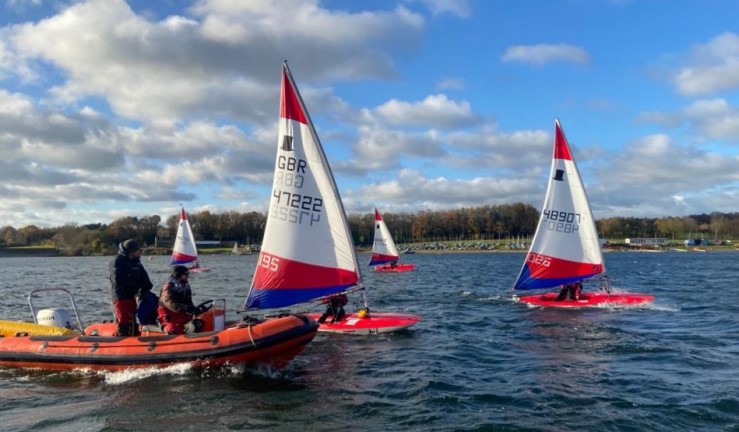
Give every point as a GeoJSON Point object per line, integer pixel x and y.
{"type": "Point", "coordinates": [383, 246]}
{"type": "Point", "coordinates": [184, 250]}
{"type": "Point", "coordinates": [565, 248]}
{"type": "Point", "coordinates": [307, 251]}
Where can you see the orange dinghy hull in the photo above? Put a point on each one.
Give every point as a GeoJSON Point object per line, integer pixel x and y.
{"type": "Point", "coordinates": [274, 343]}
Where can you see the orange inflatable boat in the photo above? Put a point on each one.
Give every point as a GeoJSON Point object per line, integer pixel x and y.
{"type": "Point", "coordinates": [272, 342]}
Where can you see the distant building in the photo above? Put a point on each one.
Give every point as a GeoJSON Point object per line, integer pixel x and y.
{"type": "Point", "coordinates": [652, 241]}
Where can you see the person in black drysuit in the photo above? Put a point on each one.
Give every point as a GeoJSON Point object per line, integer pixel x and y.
{"type": "Point", "coordinates": [128, 279]}
{"type": "Point", "coordinates": [570, 292]}
{"type": "Point", "coordinates": [334, 308]}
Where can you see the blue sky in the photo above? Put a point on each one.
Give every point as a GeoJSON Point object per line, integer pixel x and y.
{"type": "Point", "coordinates": [112, 108]}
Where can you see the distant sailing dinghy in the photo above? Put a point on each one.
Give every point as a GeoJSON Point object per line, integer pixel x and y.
{"type": "Point", "coordinates": [235, 250]}
{"type": "Point", "coordinates": [184, 251]}
{"type": "Point", "coordinates": [384, 253]}
{"type": "Point", "coordinates": [565, 248]}
{"type": "Point", "coordinates": [307, 252]}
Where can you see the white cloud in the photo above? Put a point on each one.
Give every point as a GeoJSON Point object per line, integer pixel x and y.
{"type": "Point", "coordinates": [436, 111]}
{"type": "Point", "coordinates": [442, 193]}
{"type": "Point", "coordinates": [450, 83]}
{"type": "Point", "coordinates": [714, 67]}
{"type": "Point", "coordinates": [655, 176]}
{"type": "Point", "coordinates": [545, 53]}
{"type": "Point", "coordinates": [712, 118]}
{"type": "Point", "coordinates": [460, 8]}
{"type": "Point", "coordinates": [163, 71]}
{"type": "Point", "coordinates": [378, 149]}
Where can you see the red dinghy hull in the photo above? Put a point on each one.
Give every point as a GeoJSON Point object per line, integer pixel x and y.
{"type": "Point", "coordinates": [587, 299]}
{"type": "Point", "coordinates": [374, 323]}
{"type": "Point", "coordinates": [199, 270]}
{"type": "Point", "coordinates": [397, 269]}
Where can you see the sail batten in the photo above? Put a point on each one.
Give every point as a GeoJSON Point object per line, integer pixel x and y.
{"type": "Point", "coordinates": [307, 251]}
{"type": "Point", "coordinates": [566, 247]}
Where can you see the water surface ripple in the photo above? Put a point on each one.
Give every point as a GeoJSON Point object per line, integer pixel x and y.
{"type": "Point", "coordinates": [478, 361]}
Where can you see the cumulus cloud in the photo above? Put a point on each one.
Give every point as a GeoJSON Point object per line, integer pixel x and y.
{"type": "Point", "coordinates": [136, 112]}
{"type": "Point", "coordinates": [378, 149]}
{"type": "Point", "coordinates": [441, 193]}
{"type": "Point", "coordinates": [459, 8]}
{"type": "Point", "coordinates": [436, 111]}
{"type": "Point", "coordinates": [714, 67]}
{"type": "Point", "coordinates": [124, 100]}
{"type": "Point", "coordinates": [164, 71]}
{"type": "Point", "coordinates": [644, 179]}
{"type": "Point", "coordinates": [542, 54]}
{"type": "Point", "coordinates": [713, 118]}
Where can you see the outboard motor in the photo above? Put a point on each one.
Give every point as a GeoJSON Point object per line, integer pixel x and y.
{"type": "Point", "coordinates": [56, 317]}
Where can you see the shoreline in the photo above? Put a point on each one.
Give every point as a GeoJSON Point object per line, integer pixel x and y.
{"type": "Point", "coordinates": [54, 253]}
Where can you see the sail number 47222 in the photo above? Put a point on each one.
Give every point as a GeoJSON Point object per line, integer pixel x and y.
{"type": "Point", "coordinates": [296, 208]}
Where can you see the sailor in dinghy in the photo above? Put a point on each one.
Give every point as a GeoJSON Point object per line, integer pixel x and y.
{"type": "Point", "coordinates": [385, 255]}
{"type": "Point", "coordinates": [566, 248]}
{"type": "Point", "coordinates": [307, 253]}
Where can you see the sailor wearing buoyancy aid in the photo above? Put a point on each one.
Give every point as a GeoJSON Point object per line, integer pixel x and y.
{"type": "Point", "coordinates": [128, 279]}
{"type": "Point", "coordinates": [176, 310]}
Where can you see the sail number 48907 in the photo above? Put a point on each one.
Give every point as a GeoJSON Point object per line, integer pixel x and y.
{"type": "Point", "coordinates": [561, 221]}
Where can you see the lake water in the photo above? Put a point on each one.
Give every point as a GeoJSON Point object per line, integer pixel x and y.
{"type": "Point", "coordinates": [477, 362]}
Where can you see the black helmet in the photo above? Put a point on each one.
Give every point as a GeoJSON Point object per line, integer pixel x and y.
{"type": "Point", "coordinates": [130, 245]}
{"type": "Point", "coordinates": [179, 270]}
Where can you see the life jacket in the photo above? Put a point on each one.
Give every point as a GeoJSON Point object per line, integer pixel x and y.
{"type": "Point", "coordinates": [174, 321]}
{"type": "Point", "coordinates": [147, 310]}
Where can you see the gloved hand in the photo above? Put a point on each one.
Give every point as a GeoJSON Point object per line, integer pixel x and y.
{"type": "Point", "coordinates": [200, 310]}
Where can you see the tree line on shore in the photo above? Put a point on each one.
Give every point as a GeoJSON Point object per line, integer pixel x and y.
{"type": "Point", "coordinates": [490, 223]}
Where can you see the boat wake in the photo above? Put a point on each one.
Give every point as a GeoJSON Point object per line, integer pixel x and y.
{"type": "Point", "coordinates": [128, 376]}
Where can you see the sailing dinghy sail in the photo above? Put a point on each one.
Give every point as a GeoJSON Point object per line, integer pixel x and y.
{"type": "Point", "coordinates": [184, 251]}
{"type": "Point", "coordinates": [307, 252]}
{"type": "Point", "coordinates": [566, 248]}
{"type": "Point", "coordinates": [385, 255]}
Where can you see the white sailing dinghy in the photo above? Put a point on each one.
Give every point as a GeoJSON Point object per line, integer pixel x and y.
{"type": "Point", "coordinates": [184, 251]}
{"type": "Point", "coordinates": [566, 248]}
{"type": "Point", "coordinates": [385, 255]}
{"type": "Point", "coordinates": [307, 252]}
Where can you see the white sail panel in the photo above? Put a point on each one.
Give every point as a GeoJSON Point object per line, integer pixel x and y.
{"type": "Point", "coordinates": [383, 246]}
{"type": "Point", "coordinates": [184, 250]}
{"type": "Point", "coordinates": [307, 251]}
{"type": "Point", "coordinates": [565, 248]}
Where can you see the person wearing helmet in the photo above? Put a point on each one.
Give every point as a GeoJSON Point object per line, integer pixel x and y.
{"type": "Point", "coordinates": [128, 279]}
{"type": "Point", "coordinates": [176, 311]}
{"type": "Point", "coordinates": [570, 292]}
{"type": "Point", "coordinates": [334, 308]}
